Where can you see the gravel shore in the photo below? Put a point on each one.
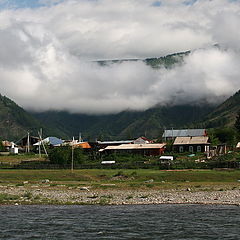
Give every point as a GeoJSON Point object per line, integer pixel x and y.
{"type": "Point", "coordinates": [35, 194]}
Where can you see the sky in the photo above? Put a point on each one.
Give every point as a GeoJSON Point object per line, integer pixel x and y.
{"type": "Point", "coordinates": [49, 50]}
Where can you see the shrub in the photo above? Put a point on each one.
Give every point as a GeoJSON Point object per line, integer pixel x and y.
{"type": "Point", "coordinates": [63, 155]}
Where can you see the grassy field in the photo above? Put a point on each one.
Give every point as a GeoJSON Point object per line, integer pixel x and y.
{"type": "Point", "coordinates": [16, 159]}
{"type": "Point", "coordinates": [142, 178]}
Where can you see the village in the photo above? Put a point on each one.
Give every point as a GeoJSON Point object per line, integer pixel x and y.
{"type": "Point", "coordinates": [182, 148]}
{"type": "Point", "coordinates": [184, 167]}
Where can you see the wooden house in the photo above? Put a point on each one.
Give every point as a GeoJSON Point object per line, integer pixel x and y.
{"type": "Point", "coordinates": [191, 144]}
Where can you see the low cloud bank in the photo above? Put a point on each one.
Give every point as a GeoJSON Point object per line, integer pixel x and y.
{"type": "Point", "coordinates": [47, 54]}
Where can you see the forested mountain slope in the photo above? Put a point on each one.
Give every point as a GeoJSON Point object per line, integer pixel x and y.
{"type": "Point", "coordinates": [225, 114]}
{"type": "Point", "coordinates": [124, 125]}
{"type": "Point", "coordinates": [15, 122]}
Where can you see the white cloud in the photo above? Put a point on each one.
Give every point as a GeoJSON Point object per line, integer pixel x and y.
{"type": "Point", "coordinates": [46, 53]}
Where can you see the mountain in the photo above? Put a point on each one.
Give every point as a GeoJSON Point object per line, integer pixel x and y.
{"type": "Point", "coordinates": [166, 61]}
{"type": "Point", "coordinates": [15, 121]}
{"type": "Point", "coordinates": [225, 114]}
{"type": "Point", "coordinates": [128, 124]}
{"type": "Point", "coordinates": [124, 125]}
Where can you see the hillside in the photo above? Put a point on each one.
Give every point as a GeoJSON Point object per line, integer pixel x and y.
{"type": "Point", "coordinates": [124, 125]}
{"type": "Point", "coordinates": [225, 114]}
{"type": "Point", "coordinates": [15, 121]}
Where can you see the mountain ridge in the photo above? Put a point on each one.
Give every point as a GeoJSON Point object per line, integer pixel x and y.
{"type": "Point", "coordinates": [124, 125]}
{"type": "Point", "coordinates": [225, 114]}
{"type": "Point", "coordinates": [15, 121]}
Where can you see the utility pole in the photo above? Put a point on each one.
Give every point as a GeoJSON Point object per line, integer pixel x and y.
{"type": "Point", "coordinates": [28, 143]}
{"type": "Point", "coordinates": [80, 137]}
{"type": "Point", "coordinates": [40, 142]}
{"type": "Point", "coordinates": [72, 158]}
{"type": "Point", "coordinates": [165, 135]}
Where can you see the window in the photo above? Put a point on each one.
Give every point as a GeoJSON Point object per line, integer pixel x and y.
{"type": "Point", "coordinates": [190, 148]}
{"type": "Point", "coordinates": [181, 149]}
{"type": "Point", "coordinates": [199, 149]}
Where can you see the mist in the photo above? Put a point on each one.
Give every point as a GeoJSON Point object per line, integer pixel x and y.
{"type": "Point", "coordinates": [48, 54]}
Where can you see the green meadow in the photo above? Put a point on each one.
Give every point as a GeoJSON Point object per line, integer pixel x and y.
{"type": "Point", "coordinates": [125, 179]}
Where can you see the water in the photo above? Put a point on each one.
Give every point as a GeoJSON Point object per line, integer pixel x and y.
{"type": "Point", "coordinates": [120, 222]}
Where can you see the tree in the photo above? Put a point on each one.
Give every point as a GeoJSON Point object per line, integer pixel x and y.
{"type": "Point", "coordinates": [63, 155]}
{"type": "Point", "coordinates": [1, 146]}
{"type": "Point", "coordinates": [225, 135]}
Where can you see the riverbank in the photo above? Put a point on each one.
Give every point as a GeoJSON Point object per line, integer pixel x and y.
{"type": "Point", "coordinates": [101, 186]}
{"type": "Point", "coordinates": [34, 194]}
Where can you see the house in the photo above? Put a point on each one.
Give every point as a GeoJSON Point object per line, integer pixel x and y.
{"type": "Point", "coordinates": [141, 149]}
{"type": "Point", "coordinates": [191, 144]}
{"type": "Point", "coordinates": [10, 147]}
{"type": "Point", "coordinates": [6, 145]}
{"type": "Point", "coordinates": [31, 140]}
{"type": "Point", "coordinates": [238, 146]}
{"type": "Point", "coordinates": [140, 140]}
{"type": "Point", "coordinates": [76, 144]}
{"type": "Point", "coordinates": [14, 149]}
{"type": "Point", "coordinates": [172, 134]}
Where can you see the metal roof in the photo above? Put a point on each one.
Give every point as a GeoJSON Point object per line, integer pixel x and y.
{"type": "Point", "coordinates": [50, 140]}
{"type": "Point", "coordinates": [184, 133]}
{"type": "Point", "coordinates": [83, 145]}
{"type": "Point", "coordinates": [136, 146]}
{"type": "Point", "coordinates": [191, 140]}
{"type": "Point", "coordinates": [116, 142]}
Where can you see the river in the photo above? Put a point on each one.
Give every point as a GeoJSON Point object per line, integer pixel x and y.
{"type": "Point", "coordinates": [120, 222]}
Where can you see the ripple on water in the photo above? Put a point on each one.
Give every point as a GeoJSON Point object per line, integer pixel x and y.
{"type": "Point", "coordinates": [120, 222]}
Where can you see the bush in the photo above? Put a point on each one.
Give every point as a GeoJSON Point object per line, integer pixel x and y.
{"type": "Point", "coordinates": [124, 158]}
{"type": "Point", "coordinates": [63, 155]}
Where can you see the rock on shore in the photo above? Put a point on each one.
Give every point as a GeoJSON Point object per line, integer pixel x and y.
{"type": "Point", "coordinates": [73, 195]}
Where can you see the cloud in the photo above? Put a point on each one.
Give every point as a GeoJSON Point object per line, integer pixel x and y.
{"type": "Point", "coordinates": [47, 54]}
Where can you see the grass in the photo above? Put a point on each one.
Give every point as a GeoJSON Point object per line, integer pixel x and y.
{"type": "Point", "coordinates": [6, 197]}
{"type": "Point", "coordinates": [28, 195]}
{"type": "Point", "coordinates": [102, 178]}
{"type": "Point", "coordinates": [17, 159]}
